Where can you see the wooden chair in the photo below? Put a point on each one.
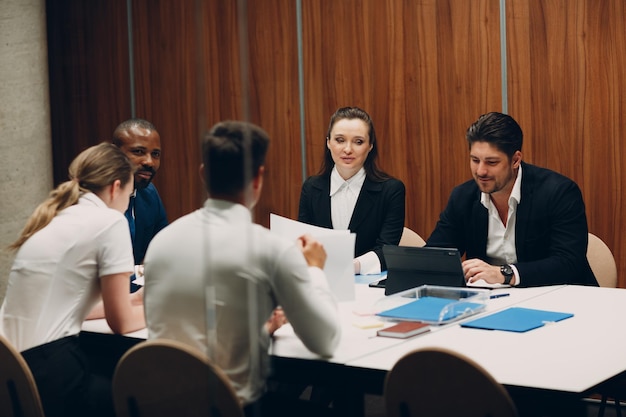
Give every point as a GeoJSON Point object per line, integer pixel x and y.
{"type": "Point", "coordinates": [168, 378]}
{"type": "Point", "coordinates": [602, 262]}
{"type": "Point", "coordinates": [603, 265]}
{"type": "Point", "coordinates": [411, 238]}
{"type": "Point", "coordinates": [441, 383]}
{"type": "Point", "coordinates": [19, 396]}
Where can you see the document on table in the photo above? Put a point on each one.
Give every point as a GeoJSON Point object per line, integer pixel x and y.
{"type": "Point", "coordinates": [517, 319]}
{"type": "Point", "coordinates": [433, 310]}
{"type": "Point", "coordinates": [481, 283]}
{"type": "Point", "coordinates": [339, 246]}
{"type": "Point", "coordinates": [139, 277]}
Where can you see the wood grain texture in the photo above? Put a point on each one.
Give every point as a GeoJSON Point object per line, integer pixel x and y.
{"type": "Point", "coordinates": [274, 102]}
{"type": "Point", "coordinates": [255, 78]}
{"type": "Point", "coordinates": [567, 89]}
{"type": "Point", "coordinates": [89, 75]}
{"type": "Point", "coordinates": [424, 70]}
{"type": "Point", "coordinates": [165, 48]}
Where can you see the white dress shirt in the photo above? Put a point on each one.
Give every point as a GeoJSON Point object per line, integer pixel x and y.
{"type": "Point", "coordinates": [343, 197]}
{"type": "Point", "coordinates": [500, 238]}
{"type": "Point", "coordinates": [212, 279]}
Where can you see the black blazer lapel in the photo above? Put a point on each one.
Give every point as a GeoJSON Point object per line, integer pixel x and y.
{"type": "Point", "coordinates": [366, 202]}
{"type": "Point", "coordinates": [479, 230]}
{"type": "Point", "coordinates": [321, 201]}
{"type": "Point", "coordinates": [524, 209]}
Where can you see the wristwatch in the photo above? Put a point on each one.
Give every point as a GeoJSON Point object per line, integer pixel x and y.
{"type": "Point", "coordinates": [508, 273]}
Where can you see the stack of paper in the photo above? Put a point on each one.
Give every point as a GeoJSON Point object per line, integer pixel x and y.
{"type": "Point", "coordinates": [339, 246]}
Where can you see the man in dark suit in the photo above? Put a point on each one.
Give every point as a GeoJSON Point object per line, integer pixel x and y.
{"type": "Point", "coordinates": [146, 216]}
{"type": "Point", "coordinates": [517, 223]}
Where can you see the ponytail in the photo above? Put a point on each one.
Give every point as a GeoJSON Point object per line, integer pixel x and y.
{"type": "Point", "coordinates": [65, 195]}
{"type": "Point", "coordinates": [91, 171]}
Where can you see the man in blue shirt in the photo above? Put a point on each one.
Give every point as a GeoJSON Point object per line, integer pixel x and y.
{"type": "Point", "coordinates": [146, 216]}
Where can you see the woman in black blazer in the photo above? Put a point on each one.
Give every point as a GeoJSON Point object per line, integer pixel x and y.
{"type": "Point", "coordinates": [351, 192]}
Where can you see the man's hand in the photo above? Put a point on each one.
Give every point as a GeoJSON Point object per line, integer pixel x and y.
{"type": "Point", "coordinates": [476, 269]}
{"type": "Point", "coordinates": [312, 250]}
{"type": "Point", "coordinates": [276, 321]}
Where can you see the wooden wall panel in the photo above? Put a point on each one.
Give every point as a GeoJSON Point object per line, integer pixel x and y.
{"type": "Point", "coordinates": [219, 75]}
{"type": "Point", "coordinates": [424, 70]}
{"type": "Point", "coordinates": [274, 102]}
{"type": "Point", "coordinates": [165, 57]}
{"type": "Point", "coordinates": [567, 91]}
{"type": "Point", "coordinates": [257, 80]}
{"type": "Point", "coordinates": [89, 75]}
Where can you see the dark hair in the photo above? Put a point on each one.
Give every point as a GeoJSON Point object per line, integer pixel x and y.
{"type": "Point", "coordinates": [232, 153]}
{"type": "Point", "coordinates": [128, 124]}
{"type": "Point", "coordinates": [92, 170]}
{"type": "Point", "coordinates": [498, 129]}
{"type": "Point", "coordinates": [372, 171]}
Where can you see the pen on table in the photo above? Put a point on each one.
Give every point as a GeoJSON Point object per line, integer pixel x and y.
{"type": "Point", "coordinates": [499, 295]}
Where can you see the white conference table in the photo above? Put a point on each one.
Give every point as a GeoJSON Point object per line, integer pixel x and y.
{"type": "Point", "coordinates": [574, 355]}
{"type": "Point", "coordinates": [558, 363]}
{"type": "Point", "coordinates": [569, 358]}
{"type": "Point", "coordinates": [359, 325]}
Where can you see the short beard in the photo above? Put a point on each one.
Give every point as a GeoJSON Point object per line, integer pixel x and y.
{"type": "Point", "coordinates": [141, 184]}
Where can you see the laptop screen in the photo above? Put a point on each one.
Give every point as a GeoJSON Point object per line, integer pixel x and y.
{"type": "Point", "coordinates": [409, 267]}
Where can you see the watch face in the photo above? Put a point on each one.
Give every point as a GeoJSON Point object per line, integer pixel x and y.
{"type": "Point", "coordinates": [506, 270]}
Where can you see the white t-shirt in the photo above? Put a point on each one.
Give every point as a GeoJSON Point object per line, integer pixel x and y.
{"type": "Point", "coordinates": [213, 278]}
{"type": "Point", "coordinates": [53, 284]}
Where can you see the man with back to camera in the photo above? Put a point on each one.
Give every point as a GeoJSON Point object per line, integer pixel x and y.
{"type": "Point", "coordinates": [517, 223]}
{"type": "Point", "coordinates": [215, 262]}
{"type": "Point", "coordinates": [146, 216]}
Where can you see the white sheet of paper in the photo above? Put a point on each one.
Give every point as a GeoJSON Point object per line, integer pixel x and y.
{"type": "Point", "coordinates": [339, 246]}
{"type": "Point", "coordinates": [139, 278]}
{"type": "Point", "coordinates": [481, 283]}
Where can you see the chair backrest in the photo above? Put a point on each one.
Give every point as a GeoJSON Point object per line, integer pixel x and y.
{"type": "Point", "coordinates": [168, 378]}
{"type": "Point", "coordinates": [19, 396]}
{"type": "Point", "coordinates": [439, 382]}
{"type": "Point", "coordinates": [602, 262]}
{"type": "Point", "coordinates": [410, 238]}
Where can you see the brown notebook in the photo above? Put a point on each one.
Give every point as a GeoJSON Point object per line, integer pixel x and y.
{"type": "Point", "coordinates": [404, 329]}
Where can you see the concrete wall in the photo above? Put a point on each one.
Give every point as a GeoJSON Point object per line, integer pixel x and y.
{"type": "Point", "coordinates": [25, 149]}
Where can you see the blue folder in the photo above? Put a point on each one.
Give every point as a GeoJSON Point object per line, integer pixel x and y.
{"type": "Point", "coordinates": [432, 309]}
{"type": "Point", "coordinates": [517, 319]}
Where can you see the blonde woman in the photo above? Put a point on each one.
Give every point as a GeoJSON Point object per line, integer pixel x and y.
{"type": "Point", "coordinates": [74, 250]}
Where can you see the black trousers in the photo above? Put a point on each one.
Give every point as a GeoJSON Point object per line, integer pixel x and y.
{"type": "Point", "coordinates": [66, 386]}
